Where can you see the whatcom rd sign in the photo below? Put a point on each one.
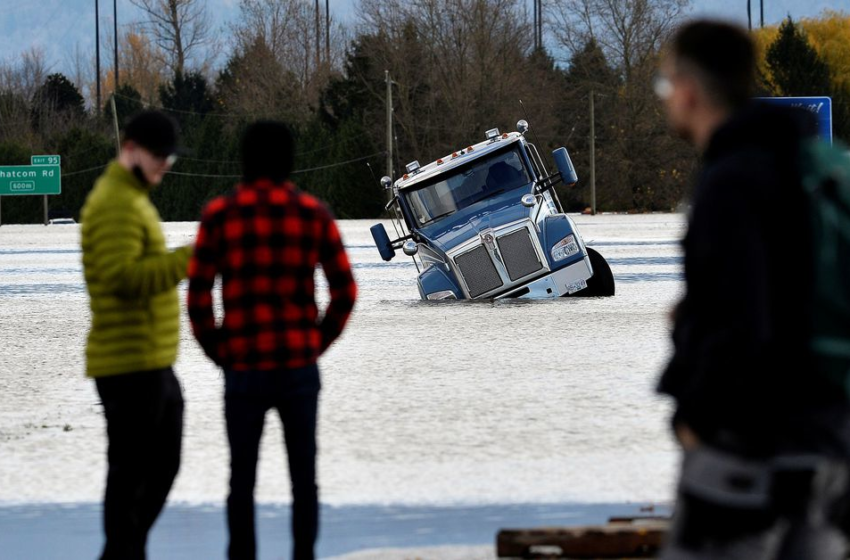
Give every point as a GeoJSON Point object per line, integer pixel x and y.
{"type": "Point", "coordinates": [42, 177]}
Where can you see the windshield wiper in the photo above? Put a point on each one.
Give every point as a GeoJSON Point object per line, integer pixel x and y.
{"type": "Point", "coordinates": [435, 218]}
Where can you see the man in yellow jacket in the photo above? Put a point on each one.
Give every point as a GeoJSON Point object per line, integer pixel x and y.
{"type": "Point", "coordinates": [132, 282]}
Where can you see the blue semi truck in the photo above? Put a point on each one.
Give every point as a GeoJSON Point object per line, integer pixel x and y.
{"type": "Point", "coordinates": [485, 222]}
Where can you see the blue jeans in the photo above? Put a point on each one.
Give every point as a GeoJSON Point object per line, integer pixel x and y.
{"type": "Point", "coordinates": [248, 396]}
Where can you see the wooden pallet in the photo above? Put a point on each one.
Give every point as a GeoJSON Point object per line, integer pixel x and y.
{"type": "Point", "coordinates": [623, 537]}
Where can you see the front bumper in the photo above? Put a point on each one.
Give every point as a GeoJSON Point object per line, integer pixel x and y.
{"type": "Point", "coordinates": [556, 284]}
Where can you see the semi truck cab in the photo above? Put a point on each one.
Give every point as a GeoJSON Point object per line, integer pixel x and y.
{"type": "Point", "coordinates": [485, 222]}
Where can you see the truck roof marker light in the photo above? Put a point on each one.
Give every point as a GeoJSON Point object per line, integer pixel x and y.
{"type": "Point", "coordinates": [505, 135]}
{"type": "Point", "coordinates": [492, 134]}
{"type": "Point", "coordinates": [439, 162]}
{"type": "Point", "coordinates": [454, 155]}
{"type": "Point", "coordinates": [469, 148]}
{"type": "Point", "coordinates": [406, 177]}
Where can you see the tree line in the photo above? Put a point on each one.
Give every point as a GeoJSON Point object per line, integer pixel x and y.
{"type": "Point", "coordinates": [458, 67]}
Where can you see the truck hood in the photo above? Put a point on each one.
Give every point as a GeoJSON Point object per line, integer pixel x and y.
{"type": "Point", "coordinates": [467, 223]}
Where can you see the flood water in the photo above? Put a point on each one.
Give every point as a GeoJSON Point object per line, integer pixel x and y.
{"type": "Point", "coordinates": [424, 403]}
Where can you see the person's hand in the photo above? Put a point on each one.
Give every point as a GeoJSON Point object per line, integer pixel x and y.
{"type": "Point", "coordinates": [687, 437]}
{"type": "Point", "coordinates": [673, 312]}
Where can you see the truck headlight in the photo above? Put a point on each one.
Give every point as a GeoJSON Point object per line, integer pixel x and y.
{"type": "Point", "coordinates": [445, 294]}
{"type": "Point", "coordinates": [566, 247]}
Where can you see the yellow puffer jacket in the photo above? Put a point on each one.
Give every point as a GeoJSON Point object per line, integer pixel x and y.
{"type": "Point", "coordinates": [131, 278]}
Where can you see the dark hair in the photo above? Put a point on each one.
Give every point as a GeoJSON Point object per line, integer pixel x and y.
{"type": "Point", "coordinates": [154, 131]}
{"type": "Point", "coordinates": [267, 151]}
{"type": "Point", "coordinates": [721, 56]}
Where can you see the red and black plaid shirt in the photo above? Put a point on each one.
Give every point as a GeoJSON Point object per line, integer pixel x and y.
{"type": "Point", "coordinates": [265, 241]}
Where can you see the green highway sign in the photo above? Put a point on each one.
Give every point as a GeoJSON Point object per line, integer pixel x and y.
{"type": "Point", "coordinates": [30, 179]}
{"type": "Point", "coordinates": [45, 160]}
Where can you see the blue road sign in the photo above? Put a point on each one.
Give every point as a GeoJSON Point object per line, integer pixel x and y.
{"type": "Point", "coordinates": [820, 106]}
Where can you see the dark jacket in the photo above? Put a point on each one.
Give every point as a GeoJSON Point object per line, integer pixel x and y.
{"type": "Point", "coordinates": [741, 374]}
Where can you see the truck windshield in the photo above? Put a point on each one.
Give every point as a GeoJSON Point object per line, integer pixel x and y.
{"type": "Point", "coordinates": [467, 185]}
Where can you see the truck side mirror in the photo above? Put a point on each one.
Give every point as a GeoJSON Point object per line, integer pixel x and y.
{"type": "Point", "coordinates": [565, 166]}
{"type": "Point", "coordinates": [410, 248]}
{"type": "Point", "coordinates": [382, 241]}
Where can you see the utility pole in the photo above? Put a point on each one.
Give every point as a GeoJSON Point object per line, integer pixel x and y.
{"type": "Point", "coordinates": [115, 32]}
{"type": "Point", "coordinates": [761, 6]}
{"type": "Point", "coordinates": [535, 25]}
{"type": "Point", "coordinates": [539, 24]}
{"type": "Point", "coordinates": [749, 15]}
{"type": "Point", "coordinates": [318, 40]}
{"type": "Point", "coordinates": [389, 123]}
{"type": "Point", "coordinates": [328, 33]}
{"type": "Point", "coordinates": [592, 157]}
{"type": "Point", "coordinates": [97, 49]}
{"type": "Point", "coordinates": [115, 124]}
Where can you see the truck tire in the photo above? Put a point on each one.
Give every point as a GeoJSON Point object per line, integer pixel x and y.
{"type": "Point", "coordinates": [601, 284]}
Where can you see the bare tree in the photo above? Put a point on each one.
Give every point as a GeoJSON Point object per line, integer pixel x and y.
{"type": "Point", "coordinates": [140, 65]}
{"type": "Point", "coordinates": [286, 29]}
{"type": "Point", "coordinates": [630, 32]}
{"type": "Point", "coordinates": [458, 67]}
{"type": "Point", "coordinates": [81, 73]}
{"type": "Point", "coordinates": [25, 77]}
{"type": "Point", "coordinates": [19, 82]}
{"type": "Point", "coordinates": [181, 30]}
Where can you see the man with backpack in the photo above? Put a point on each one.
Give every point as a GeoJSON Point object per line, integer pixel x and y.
{"type": "Point", "coordinates": [765, 436]}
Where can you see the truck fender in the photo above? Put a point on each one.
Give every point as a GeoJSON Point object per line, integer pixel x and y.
{"type": "Point", "coordinates": [555, 228]}
{"type": "Point", "coordinates": [435, 279]}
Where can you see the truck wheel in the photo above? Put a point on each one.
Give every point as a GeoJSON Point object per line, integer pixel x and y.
{"type": "Point", "coordinates": [601, 284]}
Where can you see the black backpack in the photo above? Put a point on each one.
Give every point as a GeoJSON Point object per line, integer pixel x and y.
{"type": "Point", "coordinates": [826, 180]}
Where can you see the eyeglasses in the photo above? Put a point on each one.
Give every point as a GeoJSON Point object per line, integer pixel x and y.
{"type": "Point", "coordinates": [663, 86]}
{"type": "Point", "coordinates": [168, 160]}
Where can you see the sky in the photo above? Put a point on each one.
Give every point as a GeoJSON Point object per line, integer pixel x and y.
{"type": "Point", "coordinates": [63, 27]}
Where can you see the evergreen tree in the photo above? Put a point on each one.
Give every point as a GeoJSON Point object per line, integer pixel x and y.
{"type": "Point", "coordinates": [589, 72]}
{"type": "Point", "coordinates": [799, 71]}
{"type": "Point", "coordinates": [61, 95]}
{"type": "Point", "coordinates": [795, 65]}
{"type": "Point", "coordinates": [55, 103]}
{"type": "Point", "coordinates": [186, 95]}
{"type": "Point", "coordinates": [128, 101]}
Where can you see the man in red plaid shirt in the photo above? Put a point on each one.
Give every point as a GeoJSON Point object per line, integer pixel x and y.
{"type": "Point", "coordinates": [264, 241]}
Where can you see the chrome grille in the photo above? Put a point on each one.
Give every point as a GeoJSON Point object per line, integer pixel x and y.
{"type": "Point", "coordinates": [478, 271]}
{"type": "Point", "coordinates": [519, 254]}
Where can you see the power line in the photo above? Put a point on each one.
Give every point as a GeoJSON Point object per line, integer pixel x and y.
{"type": "Point", "coordinates": [206, 175]}
{"type": "Point", "coordinates": [84, 170]}
{"type": "Point", "coordinates": [324, 148]}
{"type": "Point", "coordinates": [209, 114]}
{"type": "Point", "coordinates": [296, 172]}
{"type": "Point", "coordinates": [227, 161]}
{"type": "Point", "coordinates": [376, 154]}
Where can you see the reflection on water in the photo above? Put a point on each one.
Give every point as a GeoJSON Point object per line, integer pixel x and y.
{"type": "Point", "coordinates": [508, 401]}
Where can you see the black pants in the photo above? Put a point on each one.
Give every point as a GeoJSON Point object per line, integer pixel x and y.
{"type": "Point", "coordinates": [248, 396]}
{"type": "Point", "coordinates": [144, 423]}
